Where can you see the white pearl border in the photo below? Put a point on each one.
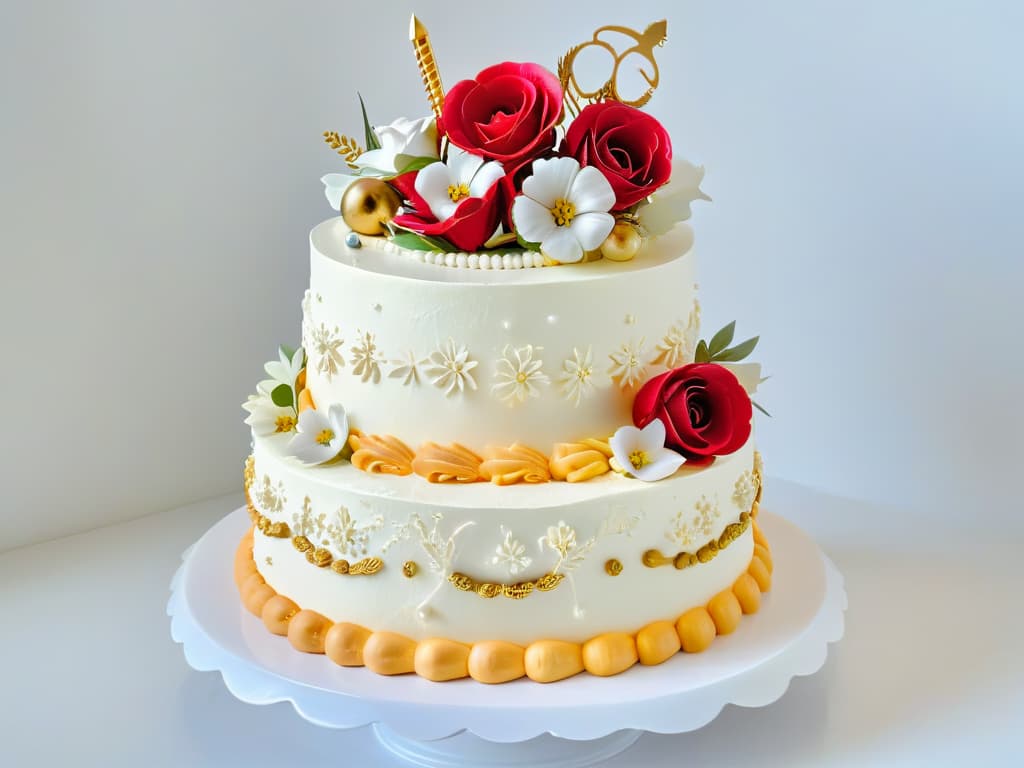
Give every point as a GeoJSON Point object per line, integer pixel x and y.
{"type": "Point", "coordinates": [495, 260]}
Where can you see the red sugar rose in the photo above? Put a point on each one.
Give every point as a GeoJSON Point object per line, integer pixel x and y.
{"type": "Point", "coordinates": [705, 409]}
{"type": "Point", "coordinates": [472, 224]}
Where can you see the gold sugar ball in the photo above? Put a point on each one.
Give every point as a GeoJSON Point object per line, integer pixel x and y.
{"type": "Point", "coordinates": [623, 243]}
{"type": "Point", "coordinates": [369, 204]}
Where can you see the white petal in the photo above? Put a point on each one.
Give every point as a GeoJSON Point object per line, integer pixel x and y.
{"type": "Point", "coordinates": [748, 374]}
{"type": "Point", "coordinates": [339, 421]}
{"type": "Point", "coordinates": [671, 204]}
{"type": "Point", "coordinates": [591, 229]}
{"type": "Point", "coordinates": [306, 449]}
{"type": "Point", "coordinates": [279, 372]}
{"type": "Point", "coordinates": [335, 185]}
{"type": "Point", "coordinates": [551, 180]}
{"type": "Point", "coordinates": [562, 246]}
{"type": "Point", "coordinates": [652, 437]}
{"type": "Point", "coordinates": [591, 191]}
{"type": "Point", "coordinates": [533, 221]}
{"type": "Point", "coordinates": [485, 178]}
{"type": "Point", "coordinates": [462, 165]}
{"type": "Point", "coordinates": [312, 421]}
{"type": "Point", "coordinates": [624, 442]}
{"type": "Point", "coordinates": [432, 184]}
{"type": "Point", "coordinates": [663, 464]}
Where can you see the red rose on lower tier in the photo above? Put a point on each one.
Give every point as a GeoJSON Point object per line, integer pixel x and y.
{"type": "Point", "coordinates": [628, 146]}
{"type": "Point", "coordinates": [508, 113]}
{"type": "Point", "coordinates": [472, 224]}
{"type": "Point", "coordinates": [705, 409]}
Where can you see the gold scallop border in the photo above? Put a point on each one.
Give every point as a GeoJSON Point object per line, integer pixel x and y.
{"type": "Point", "coordinates": [497, 661]}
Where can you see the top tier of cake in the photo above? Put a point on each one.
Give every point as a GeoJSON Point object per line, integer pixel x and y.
{"type": "Point", "coordinates": [484, 357]}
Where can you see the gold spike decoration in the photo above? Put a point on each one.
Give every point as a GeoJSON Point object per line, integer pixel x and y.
{"type": "Point", "coordinates": [345, 146]}
{"type": "Point", "coordinates": [428, 66]}
{"type": "Point", "coordinates": [645, 43]}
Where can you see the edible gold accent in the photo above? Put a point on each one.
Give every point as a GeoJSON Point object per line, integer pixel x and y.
{"type": "Point", "coordinates": [302, 544]}
{"type": "Point", "coordinates": [381, 454]}
{"type": "Point", "coordinates": [319, 557]}
{"type": "Point", "coordinates": [447, 464]}
{"type": "Point", "coordinates": [645, 43]}
{"type": "Point", "coordinates": [576, 462]}
{"type": "Point", "coordinates": [428, 66]}
{"type": "Point", "coordinates": [366, 567]}
{"type": "Point", "coordinates": [759, 475]}
{"type": "Point", "coordinates": [346, 146]}
{"type": "Point", "coordinates": [367, 205]}
{"type": "Point", "coordinates": [261, 522]}
{"type": "Point", "coordinates": [517, 591]}
{"type": "Point", "coordinates": [409, 569]}
{"type": "Point", "coordinates": [654, 558]}
{"type": "Point", "coordinates": [340, 567]}
{"type": "Point", "coordinates": [613, 567]}
{"type": "Point", "coordinates": [515, 464]}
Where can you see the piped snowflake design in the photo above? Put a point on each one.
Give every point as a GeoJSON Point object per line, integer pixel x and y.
{"type": "Point", "coordinates": [305, 523]}
{"type": "Point", "coordinates": [577, 376]}
{"type": "Point", "coordinates": [439, 550]}
{"type": "Point", "coordinates": [687, 530]}
{"type": "Point", "coordinates": [269, 497]}
{"type": "Point", "coordinates": [307, 320]}
{"type": "Point", "coordinates": [745, 490]}
{"type": "Point", "coordinates": [451, 369]}
{"type": "Point", "coordinates": [366, 359]}
{"type": "Point", "coordinates": [349, 537]}
{"type": "Point", "coordinates": [622, 520]}
{"type": "Point", "coordinates": [518, 374]}
{"type": "Point", "coordinates": [327, 347]}
{"type": "Point", "coordinates": [678, 346]}
{"type": "Point", "coordinates": [628, 367]}
{"type": "Point", "coordinates": [511, 553]}
{"type": "Point", "coordinates": [407, 369]}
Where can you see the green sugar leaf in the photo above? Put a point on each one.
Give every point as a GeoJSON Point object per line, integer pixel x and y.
{"type": "Point", "coordinates": [722, 339]}
{"type": "Point", "coordinates": [372, 142]}
{"type": "Point", "coordinates": [415, 242]}
{"type": "Point", "coordinates": [762, 410]}
{"type": "Point", "coordinates": [282, 396]}
{"type": "Point", "coordinates": [737, 353]}
{"type": "Point", "coordinates": [702, 355]}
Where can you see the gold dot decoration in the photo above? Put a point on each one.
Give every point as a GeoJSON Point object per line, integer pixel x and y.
{"type": "Point", "coordinates": [654, 558]}
{"type": "Point", "coordinates": [409, 569]}
{"type": "Point", "coordinates": [613, 567]}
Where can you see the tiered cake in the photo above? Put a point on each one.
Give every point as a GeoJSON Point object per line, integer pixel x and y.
{"type": "Point", "coordinates": [501, 449]}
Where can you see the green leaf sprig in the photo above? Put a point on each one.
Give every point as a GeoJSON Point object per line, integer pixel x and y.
{"type": "Point", "coordinates": [372, 142]}
{"type": "Point", "coordinates": [718, 350]}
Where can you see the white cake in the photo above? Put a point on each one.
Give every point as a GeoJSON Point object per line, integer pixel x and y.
{"type": "Point", "coordinates": [488, 463]}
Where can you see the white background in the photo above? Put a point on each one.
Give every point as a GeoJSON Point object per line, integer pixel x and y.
{"type": "Point", "coordinates": [160, 166]}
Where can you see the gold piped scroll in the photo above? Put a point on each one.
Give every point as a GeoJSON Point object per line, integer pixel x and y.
{"type": "Point", "coordinates": [654, 558]}
{"type": "Point", "coordinates": [517, 591]}
{"type": "Point", "coordinates": [428, 66]}
{"type": "Point", "coordinates": [644, 44]}
{"type": "Point", "coordinates": [576, 462]}
{"type": "Point", "coordinates": [515, 464]}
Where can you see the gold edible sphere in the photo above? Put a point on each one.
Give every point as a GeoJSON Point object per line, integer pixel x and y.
{"type": "Point", "coordinates": [623, 243]}
{"type": "Point", "coordinates": [369, 204]}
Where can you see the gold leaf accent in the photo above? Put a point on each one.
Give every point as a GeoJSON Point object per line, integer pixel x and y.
{"type": "Point", "coordinates": [515, 464]}
{"type": "Point", "coordinates": [549, 581]}
{"type": "Point", "coordinates": [613, 567]}
{"type": "Point", "coordinates": [279, 530]}
{"type": "Point", "coordinates": [249, 473]}
{"type": "Point", "coordinates": [381, 454]}
{"type": "Point", "coordinates": [320, 557]}
{"type": "Point", "coordinates": [488, 590]}
{"type": "Point", "coordinates": [576, 462]}
{"type": "Point", "coordinates": [653, 558]}
{"type": "Point", "coordinates": [517, 591]}
{"type": "Point", "coordinates": [409, 569]}
{"type": "Point", "coordinates": [447, 464]}
{"type": "Point", "coordinates": [340, 567]}
{"type": "Point", "coordinates": [302, 544]}
{"type": "Point", "coordinates": [366, 567]}
{"type": "Point", "coordinates": [427, 65]}
{"type": "Point", "coordinates": [461, 582]}
{"type": "Point", "coordinates": [346, 146]}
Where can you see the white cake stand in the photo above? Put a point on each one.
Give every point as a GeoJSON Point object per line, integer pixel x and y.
{"type": "Point", "coordinates": [574, 722]}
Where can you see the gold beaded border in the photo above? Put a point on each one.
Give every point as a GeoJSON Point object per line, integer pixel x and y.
{"type": "Point", "coordinates": [653, 558]}
{"type": "Point", "coordinates": [497, 661]}
{"type": "Point", "coordinates": [516, 591]}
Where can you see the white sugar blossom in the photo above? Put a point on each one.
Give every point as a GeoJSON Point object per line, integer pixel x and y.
{"type": "Point", "coordinates": [512, 554]}
{"type": "Point", "coordinates": [444, 185]}
{"type": "Point", "coordinates": [642, 452]}
{"type": "Point", "coordinates": [519, 374]}
{"type": "Point", "coordinates": [745, 490]}
{"type": "Point", "coordinates": [321, 436]}
{"type": "Point", "coordinates": [671, 204]}
{"type": "Point", "coordinates": [678, 346]}
{"type": "Point", "coordinates": [335, 185]}
{"type": "Point", "coordinates": [748, 375]}
{"type": "Point", "coordinates": [400, 143]}
{"type": "Point", "coordinates": [564, 208]}
{"type": "Point", "coordinates": [577, 376]}
{"type": "Point", "coordinates": [451, 369]}
{"type": "Point", "coordinates": [628, 367]}
{"type": "Point", "coordinates": [327, 346]}
{"type": "Point", "coordinates": [286, 370]}
{"type": "Point", "coordinates": [265, 417]}
{"type": "Point", "coordinates": [366, 358]}
{"type": "Point", "coordinates": [407, 368]}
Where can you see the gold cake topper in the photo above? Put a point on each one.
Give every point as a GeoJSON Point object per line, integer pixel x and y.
{"type": "Point", "coordinates": [645, 43]}
{"type": "Point", "coordinates": [428, 66]}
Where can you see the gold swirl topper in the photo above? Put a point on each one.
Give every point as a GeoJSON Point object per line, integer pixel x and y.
{"type": "Point", "coordinates": [640, 45]}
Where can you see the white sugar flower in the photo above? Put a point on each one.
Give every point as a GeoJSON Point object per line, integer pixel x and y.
{"type": "Point", "coordinates": [518, 375]}
{"type": "Point", "coordinates": [366, 358]}
{"type": "Point", "coordinates": [564, 208]}
{"type": "Point", "coordinates": [321, 436]}
{"type": "Point", "coordinates": [335, 185]}
{"type": "Point", "coordinates": [577, 376]}
{"type": "Point", "coordinates": [512, 554]}
{"type": "Point", "coordinates": [628, 367]}
{"type": "Point", "coordinates": [400, 143]}
{"type": "Point", "coordinates": [642, 452]}
{"type": "Point", "coordinates": [327, 345]}
{"type": "Point", "coordinates": [671, 204]}
{"type": "Point", "coordinates": [450, 368]}
{"type": "Point", "coordinates": [407, 368]}
{"type": "Point", "coordinates": [266, 417]}
{"type": "Point", "coordinates": [444, 185]}
{"type": "Point", "coordinates": [748, 375]}
{"type": "Point", "coordinates": [285, 370]}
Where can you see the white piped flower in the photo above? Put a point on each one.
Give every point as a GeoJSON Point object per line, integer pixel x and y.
{"type": "Point", "coordinates": [451, 369]}
{"type": "Point", "coordinates": [512, 554]}
{"type": "Point", "coordinates": [519, 374]}
{"type": "Point", "coordinates": [335, 185]}
{"type": "Point", "coordinates": [671, 204]}
{"type": "Point", "coordinates": [265, 417]}
{"type": "Point", "coordinates": [400, 143]}
{"type": "Point", "coordinates": [444, 185]}
{"type": "Point", "coordinates": [321, 436]}
{"type": "Point", "coordinates": [642, 452]}
{"type": "Point", "coordinates": [577, 375]}
{"type": "Point", "coordinates": [564, 208]}
{"type": "Point", "coordinates": [286, 370]}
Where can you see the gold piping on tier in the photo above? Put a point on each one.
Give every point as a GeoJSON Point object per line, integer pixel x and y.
{"type": "Point", "coordinates": [653, 558]}
{"type": "Point", "coordinates": [516, 591]}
